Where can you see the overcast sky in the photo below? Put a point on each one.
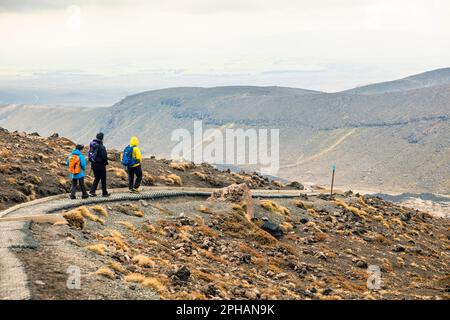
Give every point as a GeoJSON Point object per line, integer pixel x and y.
{"type": "Point", "coordinates": [326, 45]}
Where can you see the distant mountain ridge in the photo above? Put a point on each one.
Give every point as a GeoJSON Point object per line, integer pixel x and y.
{"type": "Point", "coordinates": [423, 80]}
{"type": "Point", "coordinates": [392, 136]}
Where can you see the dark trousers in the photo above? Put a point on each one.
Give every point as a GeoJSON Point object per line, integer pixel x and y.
{"type": "Point", "coordinates": [76, 182]}
{"type": "Point", "coordinates": [132, 171]}
{"type": "Point", "coordinates": [99, 175]}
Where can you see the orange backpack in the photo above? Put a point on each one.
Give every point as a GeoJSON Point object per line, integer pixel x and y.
{"type": "Point", "coordinates": [74, 164]}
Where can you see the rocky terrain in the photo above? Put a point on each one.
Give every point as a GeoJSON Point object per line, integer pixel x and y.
{"type": "Point", "coordinates": [33, 167]}
{"type": "Point", "coordinates": [391, 137]}
{"type": "Point", "coordinates": [198, 248]}
{"type": "Point", "coordinates": [193, 248]}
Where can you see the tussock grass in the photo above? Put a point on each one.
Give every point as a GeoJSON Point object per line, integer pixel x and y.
{"type": "Point", "coordinates": [303, 205]}
{"type": "Point", "coordinates": [176, 179]}
{"type": "Point", "coordinates": [381, 219]}
{"type": "Point", "coordinates": [117, 267]}
{"type": "Point", "coordinates": [286, 227]}
{"type": "Point", "coordinates": [277, 183]}
{"type": "Point", "coordinates": [62, 182]}
{"type": "Point", "coordinates": [207, 231]}
{"type": "Point", "coordinates": [100, 210]}
{"type": "Point", "coordinates": [274, 207]}
{"type": "Point", "coordinates": [4, 153]}
{"type": "Point", "coordinates": [181, 166]}
{"type": "Point", "coordinates": [120, 173]}
{"type": "Point", "coordinates": [200, 175]}
{"type": "Point", "coordinates": [382, 239]}
{"type": "Point", "coordinates": [88, 215]}
{"type": "Point", "coordinates": [240, 176]}
{"type": "Point", "coordinates": [106, 272]}
{"type": "Point", "coordinates": [357, 212]}
{"type": "Point", "coordinates": [117, 239]}
{"type": "Point", "coordinates": [127, 225]}
{"type": "Point", "coordinates": [134, 278]}
{"type": "Point", "coordinates": [75, 219]}
{"type": "Point", "coordinates": [5, 168]}
{"type": "Point", "coordinates": [148, 179]}
{"type": "Point", "coordinates": [208, 277]}
{"type": "Point", "coordinates": [99, 248]}
{"type": "Point", "coordinates": [60, 223]}
{"type": "Point", "coordinates": [144, 261]}
{"type": "Point", "coordinates": [155, 284]}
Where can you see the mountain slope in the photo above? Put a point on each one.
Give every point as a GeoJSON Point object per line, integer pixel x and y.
{"type": "Point", "coordinates": [392, 141]}
{"type": "Point", "coordinates": [427, 79]}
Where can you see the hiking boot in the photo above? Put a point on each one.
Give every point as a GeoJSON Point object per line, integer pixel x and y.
{"type": "Point", "coordinates": [72, 197]}
{"type": "Point", "coordinates": [106, 195]}
{"type": "Point", "coordinates": [85, 196]}
{"type": "Point", "coordinates": [134, 190]}
{"type": "Point", "coordinates": [92, 194]}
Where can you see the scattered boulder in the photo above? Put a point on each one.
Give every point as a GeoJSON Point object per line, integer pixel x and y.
{"type": "Point", "coordinates": [296, 185]}
{"type": "Point", "coordinates": [273, 228]}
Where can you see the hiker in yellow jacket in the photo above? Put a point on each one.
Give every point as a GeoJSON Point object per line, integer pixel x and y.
{"type": "Point", "coordinates": [132, 159]}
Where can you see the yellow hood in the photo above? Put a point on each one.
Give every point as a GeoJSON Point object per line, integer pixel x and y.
{"type": "Point", "coordinates": [134, 141]}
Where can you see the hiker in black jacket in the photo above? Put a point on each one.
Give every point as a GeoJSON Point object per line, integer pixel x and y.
{"type": "Point", "coordinates": [98, 157]}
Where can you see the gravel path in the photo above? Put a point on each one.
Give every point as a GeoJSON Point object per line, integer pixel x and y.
{"type": "Point", "coordinates": [15, 234]}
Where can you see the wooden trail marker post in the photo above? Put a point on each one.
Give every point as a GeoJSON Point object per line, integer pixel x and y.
{"type": "Point", "coordinates": [332, 180]}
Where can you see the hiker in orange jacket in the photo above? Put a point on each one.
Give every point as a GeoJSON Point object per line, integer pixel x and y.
{"type": "Point", "coordinates": [77, 167]}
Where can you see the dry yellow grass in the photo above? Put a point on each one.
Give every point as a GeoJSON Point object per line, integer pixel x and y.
{"type": "Point", "coordinates": [357, 212]}
{"type": "Point", "coordinates": [60, 223]}
{"type": "Point", "coordinates": [62, 182]}
{"type": "Point", "coordinates": [75, 219]}
{"type": "Point", "coordinates": [382, 239]}
{"type": "Point", "coordinates": [88, 215]}
{"type": "Point", "coordinates": [33, 179]}
{"type": "Point", "coordinates": [286, 227]}
{"type": "Point", "coordinates": [181, 166]}
{"type": "Point", "coordinates": [144, 261]}
{"type": "Point", "coordinates": [105, 272]}
{"type": "Point", "coordinates": [278, 183]}
{"type": "Point", "coordinates": [127, 225]}
{"type": "Point", "coordinates": [154, 284]}
{"type": "Point", "coordinates": [274, 207]}
{"type": "Point", "coordinates": [120, 173]}
{"type": "Point", "coordinates": [364, 203]}
{"type": "Point", "coordinates": [204, 276]}
{"type": "Point", "coordinates": [97, 248]}
{"type": "Point", "coordinates": [240, 176]}
{"type": "Point", "coordinates": [100, 210]}
{"type": "Point", "coordinates": [138, 213]}
{"type": "Point", "coordinates": [303, 205]}
{"type": "Point", "coordinates": [134, 277]}
{"type": "Point", "coordinates": [4, 168]}
{"type": "Point", "coordinates": [117, 239]}
{"type": "Point", "coordinates": [148, 179]}
{"type": "Point", "coordinates": [117, 267]}
{"type": "Point", "coordinates": [176, 179]}
{"type": "Point", "coordinates": [207, 231]}
{"type": "Point", "coordinates": [4, 153]}
{"type": "Point", "coordinates": [200, 175]}
{"type": "Point", "coordinates": [12, 181]}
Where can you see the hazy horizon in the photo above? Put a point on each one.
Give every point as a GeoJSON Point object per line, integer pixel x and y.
{"type": "Point", "coordinates": [96, 52]}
